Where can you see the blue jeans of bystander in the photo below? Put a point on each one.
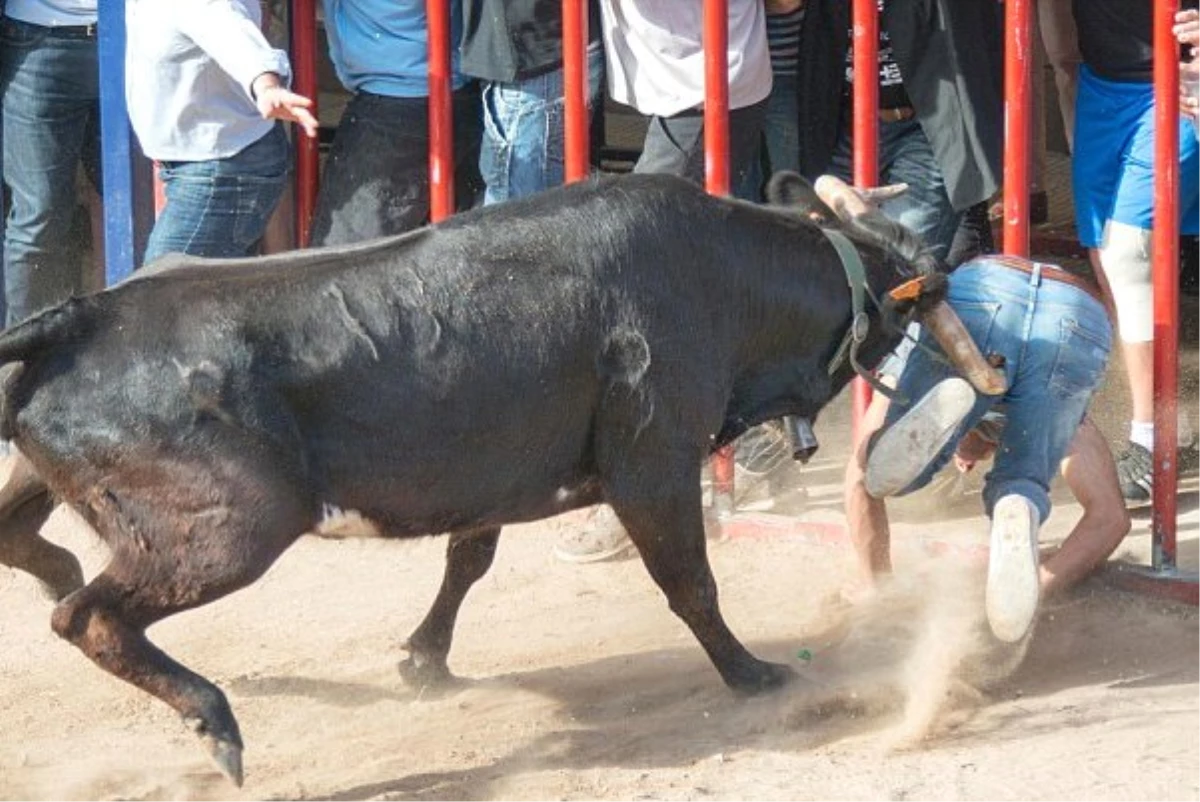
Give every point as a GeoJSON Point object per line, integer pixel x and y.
{"type": "Point", "coordinates": [905, 156]}
{"type": "Point", "coordinates": [523, 150]}
{"type": "Point", "coordinates": [220, 207]}
{"type": "Point", "coordinates": [49, 94]}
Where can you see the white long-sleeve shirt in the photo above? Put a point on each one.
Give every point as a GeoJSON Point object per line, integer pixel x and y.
{"type": "Point", "coordinates": [189, 65]}
{"type": "Point", "coordinates": [656, 54]}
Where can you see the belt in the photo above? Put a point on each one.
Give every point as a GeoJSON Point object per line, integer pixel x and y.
{"type": "Point", "coordinates": [60, 31]}
{"type": "Point", "coordinates": [73, 31]}
{"type": "Point", "coordinates": [896, 115]}
{"type": "Point", "coordinates": [1052, 273]}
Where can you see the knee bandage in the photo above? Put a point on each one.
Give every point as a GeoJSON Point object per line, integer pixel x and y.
{"type": "Point", "coordinates": [1125, 258]}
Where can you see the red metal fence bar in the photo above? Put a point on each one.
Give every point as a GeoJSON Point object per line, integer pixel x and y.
{"type": "Point", "coordinates": [716, 96]}
{"type": "Point", "coordinates": [716, 178]}
{"type": "Point", "coordinates": [1166, 285]}
{"type": "Point", "coordinates": [441, 115]}
{"type": "Point", "coordinates": [575, 89]}
{"type": "Point", "coordinates": [865, 41]}
{"type": "Point", "coordinates": [1018, 98]}
{"type": "Point", "coordinates": [303, 22]}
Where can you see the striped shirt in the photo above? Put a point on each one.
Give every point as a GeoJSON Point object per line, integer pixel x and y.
{"type": "Point", "coordinates": [783, 39]}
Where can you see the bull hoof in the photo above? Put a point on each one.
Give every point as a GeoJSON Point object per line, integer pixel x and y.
{"type": "Point", "coordinates": [226, 754]}
{"type": "Point", "coordinates": [762, 678]}
{"type": "Point", "coordinates": [422, 672]}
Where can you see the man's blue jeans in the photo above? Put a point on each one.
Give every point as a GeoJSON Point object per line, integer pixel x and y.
{"type": "Point", "coordinates": [523, 149]}
{"type": "Point", "coordinates": [905, 156]}
{"type": "Point", "coordinates": [49, 85]}
{"type": "Point", "coordinates": [220, 207]}
{"type": "Point", "coordinates": [1055, 339]}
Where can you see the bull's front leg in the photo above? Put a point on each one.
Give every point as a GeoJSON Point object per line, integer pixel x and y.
{"type": "Point", "coordinates": [469, 555]}
{"type": "Point", "coordinates": [668, 530]}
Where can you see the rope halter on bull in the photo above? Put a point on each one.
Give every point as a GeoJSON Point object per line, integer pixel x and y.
{"type": "Point", "coordinates": [860, 322]}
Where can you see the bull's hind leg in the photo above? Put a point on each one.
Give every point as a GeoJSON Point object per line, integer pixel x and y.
{"type": "Point", "coordinates": [468, 557]}
{"type": "Point", "coordinates": [25, 504]}
{"type": "Point", "coordinates": [177, 547]}
{"type": "Point", "coordinates": [665, 520]}
{"type": "Point", "coordinates": [23, 548]}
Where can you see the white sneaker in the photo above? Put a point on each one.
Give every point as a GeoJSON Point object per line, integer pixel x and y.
{"type": "Point", "coordinates": [903, 450]}
{"type": "Point", "coordinates": [1012, 581]}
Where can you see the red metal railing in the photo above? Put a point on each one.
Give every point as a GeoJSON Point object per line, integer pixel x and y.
{"type": "Point", "coordinates": [575, 88]}
{"type": "Point", "coordinates": [441, 116]}
{"type": "Point", "coordinates": [303, 22]}
{"type": "Point", "coordinates": [716, 178]}
{"type": "Point", "coordinates": [1018, 96]}
{"type": "Point", "coordinates": [865, 41]}
{"type": "Point", "coordinates": [1166, 285]}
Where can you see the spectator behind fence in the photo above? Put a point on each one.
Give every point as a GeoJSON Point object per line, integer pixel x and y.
{"type": "Point", "coordinates": [376, 180]}
{"type": "Point", "coordinates": [656, 65]}
{"type": "Point", "coordinates": [1113, 182]}
{"type": "Point", "coordinates": [205, 93]}
{"type": "Point", "coordinates": [49, 98]}
{"type": "Point", "coordinates": [515, 47]}
{"type": "Point", "coordinates": [940, 106]}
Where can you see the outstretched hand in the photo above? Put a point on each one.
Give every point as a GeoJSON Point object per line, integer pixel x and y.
{"type": "Point", "coordinates": [276, 102]}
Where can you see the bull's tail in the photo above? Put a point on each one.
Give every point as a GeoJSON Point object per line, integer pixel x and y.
{"type": "Point", "coordinates": [30, 339]}
{"type": "Point", "coordinates": [54, 327]}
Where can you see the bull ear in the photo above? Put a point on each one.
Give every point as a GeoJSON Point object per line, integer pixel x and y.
{"type": "Point", "coordinates": [793, 191]}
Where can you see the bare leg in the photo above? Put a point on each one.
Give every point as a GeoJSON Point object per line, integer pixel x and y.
{"type": "Point", "coordinates": [468, 557]}
{"type": "Point", "coordinates": [1092, 477]}
{"type": "Point", "coordinates": [1138, 356]}
{"type": "Point", "coordinates": [866, 517]}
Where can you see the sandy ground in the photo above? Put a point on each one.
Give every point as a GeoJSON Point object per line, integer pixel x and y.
{"type": "Point", "coordinates": [579, 683]}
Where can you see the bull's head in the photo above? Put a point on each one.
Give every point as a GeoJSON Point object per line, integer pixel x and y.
{"type": "Point", "coordinates": [835, 205]}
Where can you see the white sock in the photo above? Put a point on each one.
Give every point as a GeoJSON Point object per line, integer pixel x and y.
{"type": "Point", "coordinates": [1143, 432]}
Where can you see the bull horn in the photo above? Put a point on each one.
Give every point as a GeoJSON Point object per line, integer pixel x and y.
{"type": "Point", "coordinates": [840, 196]}
{"type": "Point", "coordinates": [880, 194]}
{"type": "Point", "coordinates": [950, 333]}
{"type": "Point", "coordinates": [848, 201]}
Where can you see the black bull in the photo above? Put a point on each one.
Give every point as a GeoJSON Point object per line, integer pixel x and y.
{"type": "Point", "coordinates": [593, 343]}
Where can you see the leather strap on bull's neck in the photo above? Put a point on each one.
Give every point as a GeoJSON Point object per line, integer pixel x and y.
{"type": "Point", "coordinates": [856, 276]}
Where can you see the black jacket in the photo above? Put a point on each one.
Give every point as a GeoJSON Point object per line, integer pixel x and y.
{"type": "Point", "coordinates": [509, 40]}
{"type": "Point", "coordinates": [950, 55]}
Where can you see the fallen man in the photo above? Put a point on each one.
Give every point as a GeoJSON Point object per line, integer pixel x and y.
{"type": "Point", "coordinates": [1053, 336]}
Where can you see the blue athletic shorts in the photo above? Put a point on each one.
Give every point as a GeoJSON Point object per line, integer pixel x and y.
{"type": "Point", "coordinates": [1112, 170]}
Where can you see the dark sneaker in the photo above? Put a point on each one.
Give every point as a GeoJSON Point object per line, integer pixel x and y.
{"type": "Point", "coordinates": [1012, 580]}
{"type": "Point", "coordinates": [600, 538]}
{"type": "Point", "coordinates": [902, 451]}
{"type": "Point", "coordinates": [1133, 472]}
